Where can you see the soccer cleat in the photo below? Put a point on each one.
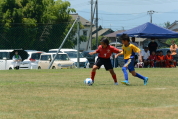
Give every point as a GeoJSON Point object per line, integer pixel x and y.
{"type": "Point", "coordinates": [145, 80]}
{"type": "Point", "coordinates": [125, 82]}
{"type": "Point", "coordinates": [116, 83]}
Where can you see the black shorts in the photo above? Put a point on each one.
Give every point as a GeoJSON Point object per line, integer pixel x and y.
{"type": "Point", "coordinates": [102, 61]}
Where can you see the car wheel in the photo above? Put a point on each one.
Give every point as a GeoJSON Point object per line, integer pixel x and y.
{"type": "Point", "coordinates": [53, 67]}
{"type": "Point", "coordinates": [10, 68]}
{"type": "Point", "coordinates": [39, 67]}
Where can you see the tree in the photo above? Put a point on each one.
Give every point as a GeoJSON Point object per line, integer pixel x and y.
{"type": "Point", "coordinates": [169, 41]}
{"type": "Point", "coordinates": [167, 24]}
{"type": "Point", "coordinates": [35, 24]}
{"type": "Point", "coordinates": [94, 42]}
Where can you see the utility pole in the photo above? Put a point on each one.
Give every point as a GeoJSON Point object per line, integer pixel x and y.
{"type": "Point", "coordinates": [151, 12]}
{"type": "Point", "coordinates": [96, 23]}
{"type": "Point", "coordinates": [78, 42]}
{"type": "Point", "coordinates": [89, 42]}
{"type": "Point", "coordinates": [91, 23]}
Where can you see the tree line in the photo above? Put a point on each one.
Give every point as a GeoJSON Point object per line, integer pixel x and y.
{"type": "Point", "coordinates": [35, 24]}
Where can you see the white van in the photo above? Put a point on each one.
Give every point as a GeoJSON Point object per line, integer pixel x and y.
{"type": "Point", "coordinates": [72, 53]}
{"type": "Point", "coordinates": [6, 62]}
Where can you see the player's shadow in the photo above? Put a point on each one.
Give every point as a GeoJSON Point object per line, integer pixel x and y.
{"type": "Point", "coordinates": [123, 84]}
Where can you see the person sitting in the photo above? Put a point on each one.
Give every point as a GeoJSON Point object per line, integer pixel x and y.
{"type": "Point", "coordinates": [16, 60]}
{"type": "Point", "coordinates": [170, 62]}
{"type": "Point", "coordinates": [157, 59]}
{"type": "Point", "coordinates": [145, 55]}
{"type": "Point", "coordinates": [160, 60]}
{"type": "Point", "coordinates": [152, 59]}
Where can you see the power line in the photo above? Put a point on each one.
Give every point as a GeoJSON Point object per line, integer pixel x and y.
{"type": "Point", "coordinates": [113, 14]}
{"type": "Point", "coordinates": [127, 19]}
{"type": "Point", "coordinates": [125, 13]}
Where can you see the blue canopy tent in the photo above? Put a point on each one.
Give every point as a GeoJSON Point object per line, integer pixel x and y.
{"type": "Point", "coordinates": [149, 30]}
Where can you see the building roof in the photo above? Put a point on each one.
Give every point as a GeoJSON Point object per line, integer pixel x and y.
{"type": "Point", "coordinates": [176, 29]}
{"type": "Point", "coordinates": [114, 33]}
{"type": "Point", "coordinates": [82, 20]}
{"type": "Point", "coordinates": [174, 23]}
{"type": "Point", "coordinates": [101, 32]}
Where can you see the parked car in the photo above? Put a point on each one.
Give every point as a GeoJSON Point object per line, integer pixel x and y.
{"type": "Point", "coordinates": [62, 61]}
{"type": "Point", "coordinates": [32, 61]}
{"type": "Point", "coordinates": [168, 49]}
{"type": "Point", "coordinates": [90, 58]}
{"type": "Point", "coordinates": [72, 53]}
{"type": "Point", "coordinates": [6, 62]}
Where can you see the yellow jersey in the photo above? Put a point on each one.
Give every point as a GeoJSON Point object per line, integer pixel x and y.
{"type": "Point", "coordinates": [129, 51]}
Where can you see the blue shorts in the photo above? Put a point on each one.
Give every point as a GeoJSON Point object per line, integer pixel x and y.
{"type": "Point", "coordinates": [129, 63]}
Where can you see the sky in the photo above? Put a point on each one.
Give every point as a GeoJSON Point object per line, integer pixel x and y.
{"type": "Point", "coordinates": [127, 14]}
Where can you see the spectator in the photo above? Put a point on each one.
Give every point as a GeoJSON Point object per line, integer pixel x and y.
{"type": "Point", "coordinates": [157, 60]}
{"type": "Point", "coordinates": [152, 45]}
{"type": "Point", "coordinates": [152, 59]}
{"type": "Point", "coordinates": [16, 60]}
{"type": "Point", "coordinates": [160, 59]}
{"type": "Point", "coordinates": [133, 42]}
{"type": "Point", "coordinates": [170, 62]}
{"type": "Point", "coordinates": [173, 49]}
{"type": "Point", "coordinates": [145, 55]}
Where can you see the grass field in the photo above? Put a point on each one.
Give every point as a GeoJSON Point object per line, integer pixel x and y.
{"type": "Point", "coordinates": [61, 94]}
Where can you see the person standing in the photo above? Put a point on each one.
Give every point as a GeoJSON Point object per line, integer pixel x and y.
{"type": "Point", "coordinates": [133, 42]}
{"type": "Point", "coordinates": [173, 49]}
{"type": "Point", "coordinates": [152, 45]}
{"type": "Point", "coordinates": [16, 60]}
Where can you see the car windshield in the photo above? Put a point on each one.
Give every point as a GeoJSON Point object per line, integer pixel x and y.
{"type": "Point", "coordinates": [35, 56]}
{"type": "Point", "coordinates": [4, 55]}
{"type": "Point", "coordinates": [63, 57]}
{"type": "Point", "coordinates": [73, 54]}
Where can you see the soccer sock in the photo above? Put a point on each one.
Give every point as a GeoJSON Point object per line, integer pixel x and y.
{"type": "Point", "coordinates": [114, 78]}
{"type": "Point", "coordinates": [93, 75]}
{"type": "Point", "coordinates": [140, 76]}
{"type": "Point", "coordinates": [124, 69]}
{"type": "Point", "coordinates": [175, 64]}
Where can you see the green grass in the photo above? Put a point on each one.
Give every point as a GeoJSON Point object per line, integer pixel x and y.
{"type": "Point", "coordinates": [58, 94]}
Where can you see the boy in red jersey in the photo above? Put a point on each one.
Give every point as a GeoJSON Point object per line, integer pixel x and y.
{"type": "Point", "coordinates": [157, 64]}
{"type": "Point", "coordinates": [104, 52]}
{"type": "Point", "coordinates": [161, 59]}
{"type": "Point", "coordinates": [152, 59]}
{"type": "Point", "coordinates": [169, 60]}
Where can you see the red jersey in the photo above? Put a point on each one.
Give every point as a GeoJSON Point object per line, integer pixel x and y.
{"type": "Point", "coordinates": [168, 57]}
{"type": "Point", "coordinates": [106, 52]}
{"type": "Point", "coordinates": [152, 57]}
{"type": "Point", "coordinates": [161, 57]}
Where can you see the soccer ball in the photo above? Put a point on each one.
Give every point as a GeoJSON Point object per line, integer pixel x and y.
{"type": "Point", "coordinates": [88, 81]}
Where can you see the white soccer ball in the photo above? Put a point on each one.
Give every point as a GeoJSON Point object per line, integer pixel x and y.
{"type": "Point", "coordinates": [88, 81]}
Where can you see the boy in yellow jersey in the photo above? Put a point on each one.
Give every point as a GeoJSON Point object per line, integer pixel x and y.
{"type": "Point", "coordinates": [129, 51]}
